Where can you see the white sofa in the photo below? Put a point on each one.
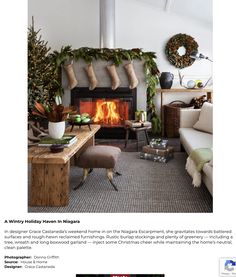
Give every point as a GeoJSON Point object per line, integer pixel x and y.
{"type": "Point", "coordinates": [192, 138]}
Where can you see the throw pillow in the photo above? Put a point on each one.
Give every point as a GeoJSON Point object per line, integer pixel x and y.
{"type": "Point", "coordinates": [72, 81]}
{"type": "Point", "coordinates": [93, 82]}
{"type": "Point", "coordinates": [133, 81]}
{"type": "Point", "coordinates": [205, 121]}
{"type": "Point", "coordinates": [115, 80]}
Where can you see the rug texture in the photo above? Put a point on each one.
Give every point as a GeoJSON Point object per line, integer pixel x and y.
{"type": "Point", "coordinates": [132, 143]}
{"type": "Point", "coordinates": [144, 187]}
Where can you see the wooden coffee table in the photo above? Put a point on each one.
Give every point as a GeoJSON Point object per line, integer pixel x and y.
{"type": "Point", "coordinates": [50, 171]}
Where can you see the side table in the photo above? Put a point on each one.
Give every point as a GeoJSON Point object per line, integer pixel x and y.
{"type": "Point", "coordinates": [138, 128]}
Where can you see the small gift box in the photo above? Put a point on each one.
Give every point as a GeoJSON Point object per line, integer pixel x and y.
{"type": "Point", "coordinates": [159, 143]}
{"type": "Point", "coordinates": [140, 116]}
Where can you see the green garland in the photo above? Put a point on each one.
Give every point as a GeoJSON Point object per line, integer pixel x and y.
{"type": "Point", "coordinates": [117, 56]}
{"type": "Point", "coordinates": [174, 44]}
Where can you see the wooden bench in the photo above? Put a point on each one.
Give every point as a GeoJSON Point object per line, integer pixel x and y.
{"type": "Point", "coordinates": [50, 171]}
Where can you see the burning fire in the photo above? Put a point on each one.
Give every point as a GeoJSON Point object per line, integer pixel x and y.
{"type": "Point", "coordinates": [106, 112]}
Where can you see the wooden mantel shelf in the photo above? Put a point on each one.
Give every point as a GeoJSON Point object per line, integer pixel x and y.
{"type": "Point", "coordinates": [208, 92]}
{"type": "Point", "coordinates": [184, 90]}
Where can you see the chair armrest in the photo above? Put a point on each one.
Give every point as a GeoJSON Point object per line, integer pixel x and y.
{"type": "Point", "coordinates": [188, 117]}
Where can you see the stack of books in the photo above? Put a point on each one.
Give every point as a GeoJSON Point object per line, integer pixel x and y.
{"type": "Point", "coordinates": [66, 141]}
{"type": "Point", "coordinates": [158, 152]}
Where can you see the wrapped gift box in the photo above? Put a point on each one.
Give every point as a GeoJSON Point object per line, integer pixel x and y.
{"type": "Point", "coordinates": [167, 152]}
{"type": "Point", "coordinates": [155, 157]}
{"type": "Point", "coordinates": [159, 143]}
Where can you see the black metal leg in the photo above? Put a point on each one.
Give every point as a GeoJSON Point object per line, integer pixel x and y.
{"type": "Point", "coordinates": [147, 138]}
{"type": "Point", "coordinates": [114, 186]}
{"type": "Point", "coordinates": [117, 173]}
{"type": "Point", "coordinates": [89, 127]}
{"type": "Point", "coordinates": [87, 171]}
{"type": "Point", "coordinates": [137, 138]}
{"type": "Point", "coordinates": [110, 177]}
{"type": "Point", "coordinates": [126, 137]}
{"type": "Point", "coordinates": [79, 185]}
{"type": "Point", "coordinates": [72, 126]}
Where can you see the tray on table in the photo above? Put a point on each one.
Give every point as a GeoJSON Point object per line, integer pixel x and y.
{"type": "Point", "coordinates": [72, 123]}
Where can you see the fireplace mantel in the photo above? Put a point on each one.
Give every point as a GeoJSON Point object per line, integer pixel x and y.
{"type": "Point", "coordinates": [101, 92]}
{"type": "Point", "coordinates": [104, 80]}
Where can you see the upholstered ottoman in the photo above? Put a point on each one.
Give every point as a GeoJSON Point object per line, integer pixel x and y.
{"type": "Point", "coordinates": [99, 156]}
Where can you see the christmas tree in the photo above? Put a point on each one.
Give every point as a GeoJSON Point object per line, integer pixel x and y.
{"type": "Point", "coordinates": [43, 77]}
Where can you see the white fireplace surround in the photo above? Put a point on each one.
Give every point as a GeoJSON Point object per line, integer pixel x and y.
{"type": "Point", "coordinates": [105, 81]}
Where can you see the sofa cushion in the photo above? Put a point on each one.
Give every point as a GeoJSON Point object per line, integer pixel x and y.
{"type": "Point", "coordinates": [205, 122]}
{"type": "Point", "coordinates": [192, 139]}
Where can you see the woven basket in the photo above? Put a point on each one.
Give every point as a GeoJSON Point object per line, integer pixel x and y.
{"type": "Point", "coordinates": [172, 117]}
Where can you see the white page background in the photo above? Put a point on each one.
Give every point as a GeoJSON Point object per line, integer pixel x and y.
{"type": "Point", "coordinates": [174, 261]}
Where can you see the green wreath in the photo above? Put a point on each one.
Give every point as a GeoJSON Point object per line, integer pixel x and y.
{"type": "Point", "coordinates": [174, 44]}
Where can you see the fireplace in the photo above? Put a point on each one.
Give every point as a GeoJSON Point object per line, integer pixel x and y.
{"type": "Point", "coordinates": [108, 108]}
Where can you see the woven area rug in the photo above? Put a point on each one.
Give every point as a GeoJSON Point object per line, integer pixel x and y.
{"type": "Point", "coordinates": [145, 186]}
{"type": "Point", "coordinates": [132, 144]}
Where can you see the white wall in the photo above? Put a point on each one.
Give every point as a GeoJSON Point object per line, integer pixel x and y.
{"type": "Point", "coordinates": [76, 23]}
{"type": "Point", "coordinates": [66, 22]}
{"type": "Point", "coordinates": [141, 25]}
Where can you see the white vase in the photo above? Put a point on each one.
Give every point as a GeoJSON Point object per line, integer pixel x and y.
{"type": "Point", "coordinates": [56, 130]}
